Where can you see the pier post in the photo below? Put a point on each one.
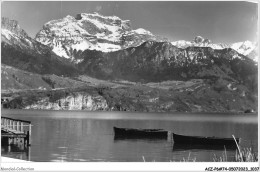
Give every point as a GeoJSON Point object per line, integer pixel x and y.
{"type": "Point", "coordinates": [9, 141]}
{"type": "Point", "coordinates": [28, 138]}
{"type": "Point", "coordinates": [29, 154]}
{"type": "Point", "coordinates": [30, 133]}
{"type": "Point", "coordinates": [22, 143]}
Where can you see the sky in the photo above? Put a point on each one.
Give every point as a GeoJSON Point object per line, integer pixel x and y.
{"type": "Point", "coordinates": [220, 21]}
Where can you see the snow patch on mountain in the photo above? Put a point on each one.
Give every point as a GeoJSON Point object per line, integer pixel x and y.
{"type": "Point", "coordinates": [60, 51]}
{"type": "Point", "coordinates": [12, 34]}
{"type": "Point", "coordinates": [142, 31]}
{"type": "Point", "coordinates": [244, 48]}
{"type": "Point", "coordinates": [82, 46]}
{"type": "Point", "coordinates": [8, 34]}
{"type": "Point", "coordinates": [91, 31]}
{"type": "Point", "coordinates": [198, 41]}
{"type": "Point", "coordinates": [182, 44]}
{"type": "Point", "coordinates": [106, 47]}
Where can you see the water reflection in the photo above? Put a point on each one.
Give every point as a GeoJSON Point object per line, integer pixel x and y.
{"type": "Point", "coordinates": [182, 147]}
{"type": "Point", "coordinates": [80, 137]}
{"type": "Point", "coordinates": [17, 152]}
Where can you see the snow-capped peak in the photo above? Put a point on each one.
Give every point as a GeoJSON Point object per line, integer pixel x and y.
{"type": "Point", "coordinates": [142, 31]}
{"type": "Point", "coordinates": [96, 14]}
{"type": "Point", "coordinates": [13, 34]}
{"type": "Point", "coordinates": [244, 47]}
{"type": "Point", "coordinates": [241, 47]}
{"type": "Point", "coordinates": [182, 44]}
{"type": "Point", "coordinates": [198, 41]}
{"type": "Point", "coordinates": [90, 31]}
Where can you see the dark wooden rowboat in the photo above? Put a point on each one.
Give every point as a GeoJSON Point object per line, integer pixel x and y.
{"type": "Point", "coordinates": [140, 133]}
{"type": "Point", "coordinates": [198, 140]}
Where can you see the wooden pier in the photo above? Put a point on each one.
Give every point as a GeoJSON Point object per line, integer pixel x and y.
{"type": "Point", "coordinates": [15, 132]}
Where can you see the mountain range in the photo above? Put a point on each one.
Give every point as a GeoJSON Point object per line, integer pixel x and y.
{"type": "Point", "coordinates": [70, 35]}
{"type": "Point", "coordinates": [245, 48]}
{"type": "Point", "coordinates": [103, 60]}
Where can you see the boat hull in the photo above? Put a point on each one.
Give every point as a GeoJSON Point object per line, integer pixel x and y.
{"type": "Point", "coordinates": [197, 140]}
{"type": "Point", "coordinates": [140, 133]}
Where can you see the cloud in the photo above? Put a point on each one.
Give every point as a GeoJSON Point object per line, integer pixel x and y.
{"type": "Point", "coordinates": [98, 8]}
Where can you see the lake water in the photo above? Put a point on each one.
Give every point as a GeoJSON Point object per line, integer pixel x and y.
{"type": "Point", "coordinates": [77, 136]}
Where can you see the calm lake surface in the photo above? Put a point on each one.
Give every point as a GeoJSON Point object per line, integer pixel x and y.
{"type": "Point", "coordinates": [76, 136]}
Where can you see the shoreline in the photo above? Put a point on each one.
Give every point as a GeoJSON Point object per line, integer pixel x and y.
{"type": "Point", "coordinates": [144, 112]}
{"type": "Point", "coordinates": [11, 160]}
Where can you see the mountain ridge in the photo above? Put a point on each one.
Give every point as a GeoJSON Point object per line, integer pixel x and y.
{"type": "Point", "coordinates": [110, 33]}
{"type": "Point", "coordinates": [90, 31]}
{"type": "Point", "coordinates": [160, 50]}
{"type": "Point", "coordinates": [21, 51]}
{"type": "Point", "coordinates": [244, 48]}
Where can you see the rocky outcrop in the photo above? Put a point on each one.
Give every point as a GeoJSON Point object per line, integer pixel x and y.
{"type": "Point", "coordinates": [13, 26]}
{"type": "Point", "coordinates": [75, 101]}
{"type": "Point", "coordinates": [171, 96]}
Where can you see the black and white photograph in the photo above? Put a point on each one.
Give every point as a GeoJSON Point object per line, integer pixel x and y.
{"type": "Point", "coordinates": [129, 81]}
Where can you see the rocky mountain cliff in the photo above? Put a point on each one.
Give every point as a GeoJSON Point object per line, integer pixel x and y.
{"type": "Point", "coordinates": [71, 34]}
{"type": "Point", "coordinates": [21, 51]}
{"type": "Point", "coordinates": [12, 34]}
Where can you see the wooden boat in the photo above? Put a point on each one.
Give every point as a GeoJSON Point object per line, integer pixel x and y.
{"type": "Point", "coordinates": [140, 133]}
{"type": "Point", "coordinates": [198, 140]}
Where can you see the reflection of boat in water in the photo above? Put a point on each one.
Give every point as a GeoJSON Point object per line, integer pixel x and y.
{"type": "Point", "coordinates": [181, 147]}
{"type": "Point", "coordinates": [129, 133]}
{"type": "Point", "coordinates": [138, 139]}
{"type": "Point", "coordinates": [198, 140]}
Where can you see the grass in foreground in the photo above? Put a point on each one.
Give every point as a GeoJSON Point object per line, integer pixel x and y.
{"type": "Point", "coordinates": [244, 155]}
